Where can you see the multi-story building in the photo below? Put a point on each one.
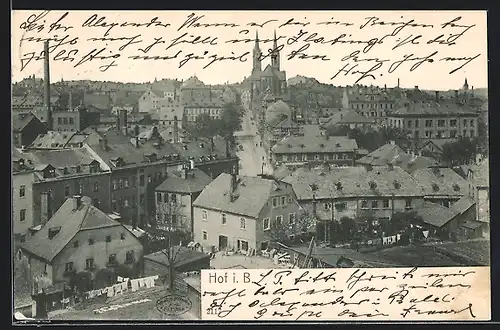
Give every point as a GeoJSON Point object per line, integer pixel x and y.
{"type": "Point", "coordinates": [372, 102]}
{"type": "Point", "coordinates": [57, 175]}
{"type": "Point", "coordinates": [23, 178]}
{"type": "Point", "coordinates": [480, 178]}
{"type": "Point", "coordinates": [80, 237]}
{"type": "Point", "coordinates": [348, 119]}
{"type": "Point", "coordinates": [435, 120]}
{"type": "Point", "coordinates": [308, 150]}
{"type": "Point", "coordinates": [75, 120]}
{"type": "Point", "coordinates": [175, 197]}
{"type": "Point", "coordinates": [243, 213]}
{"type": "Point", "coordinates": [335, 192]}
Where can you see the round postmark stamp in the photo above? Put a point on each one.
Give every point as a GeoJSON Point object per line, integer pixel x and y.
{"type": "Point", "coordinates": [173, 304]}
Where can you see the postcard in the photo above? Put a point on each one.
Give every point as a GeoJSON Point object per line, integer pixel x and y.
{"type": "Point", "coordinates": [315, 166]}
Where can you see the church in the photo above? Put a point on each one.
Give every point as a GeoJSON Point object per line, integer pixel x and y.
{"type": "Point", "coordinates": [271, 80]}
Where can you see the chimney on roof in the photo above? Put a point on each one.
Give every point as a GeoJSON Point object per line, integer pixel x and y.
{"type": "Point", "coordinates": [456, 95]}
{"type": "Point", "coordinates": [122, 119]}
{"type": "Point", "coordinates": [234, 185]}
{"type": "Point", "coordinates": [46, 81]}
{"type": "Point", "coordinates": [176, 130]}
{"type": "Point", "coordinates": [77, 202]}
{"type": "Point", "coordinates": [398, 82]}
{"type": "Point", "coordinates": [103, 143]}
{"type": "Point", "coordinates": [46, 208]}
{"type": "Point", "coordinates": [70, 102]}
{"type": "Point", "coordinates": [392, 142]}
{"type": "Point", "coordinates": [437, 96]}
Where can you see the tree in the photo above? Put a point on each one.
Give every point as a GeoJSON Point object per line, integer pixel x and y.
{"type": "Point", "coordinates": [230, 121]}
{"type": "Point", "coordinates": [369, 221]}
{"type": "Point", "coordinates": [303, 224]}
{"type": "Point", "coordinates": [460, 152]}
{"type": "Point", "coordinates": [205, 127]}
{"type": "Point", "coordinates": [81, 281]}
{"type": "Point", "coordinates": [401, 221]}
{"type": "Point", "coordinates": [348, 228]}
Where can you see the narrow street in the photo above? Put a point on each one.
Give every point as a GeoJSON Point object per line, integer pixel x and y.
{"type": "Point", "coordinates": [253, 158]}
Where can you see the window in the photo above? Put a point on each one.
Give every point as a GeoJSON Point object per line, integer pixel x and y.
{"type": "Point", "coordinates": [71, 121]}
{"type": "Point", "coordinates": [108, 239]}
{"type": "Point", "coordinates": [290, 200]}
{"type": "Point", "coordinates": [375, 205]}
{"type": "Point", "coordinates": [22, 191]}
{"type": "Point", "coordinates": [408, 204]}
{"type": "Point", "coordinates": [453, 133]}
{"type": "Point", "coordinates": [416, 123]}
{"type": "Point", "coordinates": [291, 219]}
{"type": "Point", "coordinates": [66, 191]}
{"type": "Point", "coordinates": [158, 197]}
{"type": "Point", "coordinates": [242, 223]}
{"type": "Point", "coordinates": [91, 241]}
{"type": "Point", "coordinates": [428, 134]}
{"type": "Point", "coordinates": [122, 236]}
{"type": "Point", "coordinates": [471, 133]}
{"type": "Point", "coordinates": [267, 223]}
{"type": "Point", "coordinates": [125, 182]}
{"type": "Point", "coordinates": [386, 204]}
{"type": "Point", "coordinates": [141, 199]}
{"type": "Point", "coordinates": [472, 123]}
{"type": "Point", "coordinates": [173, 198]}
{"type": "Point", "coordinates": [22, 215]}
{"type": "Point", "coordinates": [112, 258]}
{"type": "Point", "coordinates": [304, 157]}
{"type": "Point", "coordinates": [275, 201]}
{"type": "Point", "coordinates": [204, 215]}
{"type": "Point", "coordinates": [428, 123]}
{"type": "Point", "coordinates": [409, 124]}
{"type": "Point", "coordinates": [416, 134]}
{"type": "Point", "coordinates": [223, 218]}
{"type": "Point", "coordinates": [115, 185]}
{"type": "Point", "coordinates": [242, 245]}
{"type": "Point", "coordinates": [283, 200]}
{"type": "Point", "coordinates": [132, 181]}
{"type": "Point", "coordinates": [205, 235]}
{"type": "Point", "coordinates": [76, 244]}
{"type": "Point", "coordinates": [316, 157]}
{"type": "Point", "coordinates": [89, 263]}
{"type": "Point", "coordinates": [279, 219]}
{"type": "Point", "coordinates": [364, 204]}
{"type": "Point", "coordinates": [130, 256]}
{"type": "Point", "coordinates": [150, 179]}
{"type": "Point", "coordinates": [68, 267]}
{"type": "Point", "coordinates": [141, 180]}
{"type": "Point", "coordinates": [120, 183]}
{"type": "Point", "coordinates": [59, 121]}
{"type": "Point", "coordinates": [441, 122]}
{"type": "Point", "coordinates": [453, 122]}
{"type": "Point", "coordinates": [326, 206]}
{"type": "Point", "coordinates": [96, 186]}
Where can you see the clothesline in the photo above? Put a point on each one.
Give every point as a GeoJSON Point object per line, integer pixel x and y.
{"type": "Point", "coordinates": [124, 285]}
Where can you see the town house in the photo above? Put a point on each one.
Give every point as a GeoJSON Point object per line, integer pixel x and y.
{"type": "Point", "coordinates": [239, 212]}
{"type": "Point", "coordinates": [80, 237]}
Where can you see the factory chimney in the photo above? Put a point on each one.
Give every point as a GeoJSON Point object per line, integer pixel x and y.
{"type": "Point", "coordinates": [46, 81]}
{"type": "Point", "coordinates": [176, 130]}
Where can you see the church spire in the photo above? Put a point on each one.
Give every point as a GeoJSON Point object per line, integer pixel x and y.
{"type": "Point", "coordinates": [275, 57]}
{"type": "Point", "coordinates": [466, 85]}
{"type": "Point", "coordinates": [257, 65]}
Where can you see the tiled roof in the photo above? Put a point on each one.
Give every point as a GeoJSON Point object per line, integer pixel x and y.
{"type": "Point", "coordinates": [310, 144]}
{"type": "Point", "coordinates": [441, 182]}
{"type": "Point", "coordinates": [462, 205]}
{"type": "Point", "coordinates": [253, 194]}
{"type": "Point", "coordinates": [346, 117]}
{"type": "Point", "coordinates": [52, 140]}
{"type": "Point", "coordinates": [183, 255]}
{"type": "Point", "coordinates": [20, 122]}
{"type": "Point", "coordinates": [435, 214]}
{"type": "Point", "coordinates": [193, 82]}
{"type": "Point", "coordinates": [393, 154]}
{"type": "Point", "coordinates": [201, 148]}
{"type": "Point", "coordinates": [97, 100]}
{"type": "Point", "coordinates": [70, 221]}
{"type": "Point", "coordinates": [195, 181]}
{"type": "Point", "coordinates": [344, 182]}
{"type": "Point", "coordinates": [434, 108]}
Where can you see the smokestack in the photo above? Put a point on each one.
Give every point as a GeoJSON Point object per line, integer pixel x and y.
{"type": "Point", "coordinates": [176, 130]}
{"type": "Point", "coordinates": [77, 202]}
{"type": "Point", "coordinates": [46, 211]}
{"type": "Point", "coordinates": [437, 96]}
{"type": "Point", "coordinates": [46, 81]}
{"type": "Point", "coordinates": [122, 117]}
{"type": "Point", "coordinates": [398, 82]}
{"type": "Point", "coordinates": [70, 102]}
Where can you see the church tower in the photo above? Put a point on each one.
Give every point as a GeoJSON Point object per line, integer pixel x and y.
{"type": "Point", "coordinates": [466, 85]}
{"type": "Point", "coordinates": [257, 65]}
{"type": "Point", "coordinates": [275, 57]}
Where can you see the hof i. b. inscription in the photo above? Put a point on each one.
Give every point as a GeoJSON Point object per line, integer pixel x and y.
{"type": "Point", "coordinates": [173, 305]}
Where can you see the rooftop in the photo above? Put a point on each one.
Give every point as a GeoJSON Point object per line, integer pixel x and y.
{"type": "Point", "coordinates": [346, 182]}
{"type": "Point", "coordinates": [252, 194]}
{"type": "Point", "coordinates": [432, 108]}
{"type": "Point", "coordinates": [318, 144]}
{"type": "Point", "coordinates": [436, 214]}
{"type": "Point", "coordinates": [346, 117]}
{"type": "Point", "coordinates": [195, 181]}
{"type": "Point", "coordinates": [441, 181]}
{"type": "Point", "coordinates": [52, 140]}
{"type": "Point", "coordinates": [69, 220]}
{"type": "Point", "coordinates": [183, 256]}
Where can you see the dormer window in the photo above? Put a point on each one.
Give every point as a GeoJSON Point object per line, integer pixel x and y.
{"type": "Point", "coordinates": [456, 187]}
{"type": "Point", "coordinates": [54, 231]}
{"type": "Point", "coordinates": [338, 185]}
{"type": "Point", "coordinates": [435, 187]}
{"type": "Point", "coordinates": [397, 185]}
{"type": "Point", "coordinates": [373, 185]}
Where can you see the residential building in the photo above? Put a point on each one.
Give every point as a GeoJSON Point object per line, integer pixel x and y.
{"type": "Point", "coordinates": [23, 178]}
{"type": "Point", "coordinates": [302, 150]}
{"type": "Point", "coordinates": [213, 107]}
{"type": "Point", "coordinates": [26, 127]}
{"type": "Point", "coordinates": [80, 237]}
{"type": "Point", "coordinates": [236, 212]}
{"type": "Point", "coordinates": [75, 120]}
{"type": "Point", "coordinates": [391, 153]}
{"type": "Point", "coordinates": [55, 176]}
{"type": "Point", "coordinates": [348, 119]}
{"type": "Point", "coordinates": [435, 120]}
{"type": "Point", "coordinates": [186, 260]}
{"type": "Point", "coordinates": [335, 192]}
{"type": "Point", "coordinates": [441, 185]}
{"type": "Point", "coordinates": [175, 197]}
{"type": "Point", "coordinates": [369, 101]}
{"type": "Point", "coordinates": [54, 140]}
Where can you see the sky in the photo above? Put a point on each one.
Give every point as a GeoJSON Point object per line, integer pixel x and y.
{"type": "Point", "coordinates": [335, 47]}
